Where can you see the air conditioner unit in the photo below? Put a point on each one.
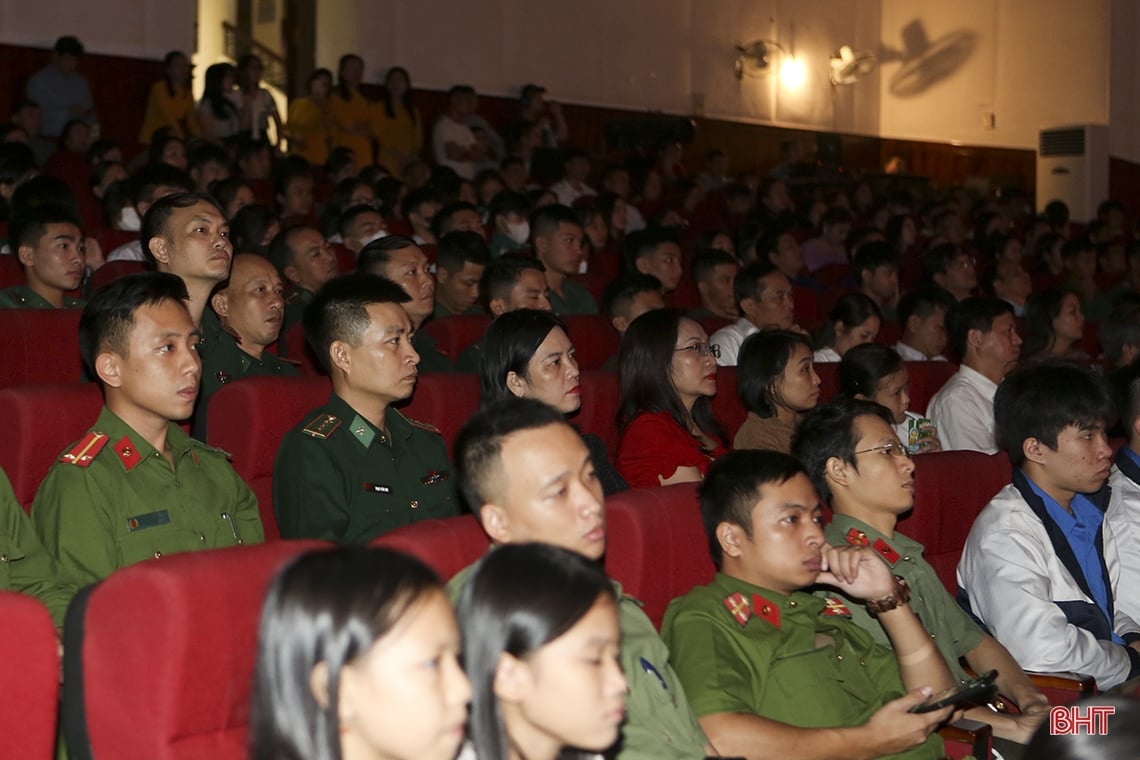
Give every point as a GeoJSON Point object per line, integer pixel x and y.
{"type": "Point", "coordinates": [1072, 166]}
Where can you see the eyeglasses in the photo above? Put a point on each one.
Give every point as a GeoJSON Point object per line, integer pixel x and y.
{"type": "Point", "coordinates": [894, 449]}
{"type": "Point", "coordinates": [702, 350]}
{"type": "Point", "coordinates": [965, 262]}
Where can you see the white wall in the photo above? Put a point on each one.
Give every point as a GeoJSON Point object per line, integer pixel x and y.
{"type": "Point", "coordinates": [134, 28]}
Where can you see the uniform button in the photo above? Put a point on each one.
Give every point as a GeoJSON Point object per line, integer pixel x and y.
{"type": "Point", "coordinates": [415, 503]}
{"type": "Point", "coordinates": [906, 558]}
{"type": "Point", "coordinates": [839, 657]}
{"type": "Point", "coordinates": [4, 557]}
{"type": "Point", "coordinates": [863, 662]}
{"type": "Point", "coordinates": [158, 555]}
{"type": "Point", "coordinates": [202, 536]}
{"type": "Point", "coordinates": [791, 604]}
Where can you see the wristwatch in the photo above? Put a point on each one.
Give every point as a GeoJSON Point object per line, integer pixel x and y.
{"type": "Point", "coordinates": [901, 595]}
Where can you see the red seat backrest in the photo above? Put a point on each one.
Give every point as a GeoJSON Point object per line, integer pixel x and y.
{"type": "Point", "coordinates": [345, 259]}
{"type": "Point", "coordinates": [712, 324]}
{"type": "Point", "coordinates": [445, 400]}
{"type": "Point", "coordinates": [455, 333]}
{"type": "Point", "coordinates": [828, 380]}
{"type": "Point", "coordinates": [249, 417]}
{"type": "Point", "coordinates": [890, 332]}
{"type": "Point", "coordinates": [594, 338]}
{"type": "Point", "coordinates": [726, 403]}
{"type": "Point", "coordinates": [114, 270]}
{"type": "Point", "coordinates": [601, 395]}
{"type": "Point", "coordinates": [110, 239]}
{"type": "Point", "coordinates": [42, 420]}
{"type": "Point", "coordinates": [950, 489]}
{"type": "Point", "coordinates": [926, 379]}
{"type": "Point", "coordinates": [29, 665]}
{"type": "Point", "coordinates": [447, 546]}
{"type": "Point", "coordinates": [806, 307]}
{"type": "Point", "coordinates": [297, 349]}
{"type": "Point", "coordinates": [39, 346]}
{"type": "Point", "coordinates": [11, 271]}
{"type": "Point", "coordinates": [656, 546]}
{"type": "Point", "coordinates": [161, 654]}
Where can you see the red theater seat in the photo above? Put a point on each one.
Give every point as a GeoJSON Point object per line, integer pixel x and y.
{"type": "Point", "coordinates": [828, 380]}
{"type": "Point", "coordinates": [806, 307]}
{"type": "Point", "coordinates": [42, 420]}
{"type": "Point", "coordinates": [29, 668]}
{"type": "Point", "coordinates": [248, 419]}
{"type": "Point", "coordinates": [345, 259]}
{"type": "Point", "coordinates": [444, 400]}
{"type": "Point", "coordinates": [726, 404]}
{"type": "Point", "coordinates": [160, 656]}
{"type": "Point", "coordinates": [595, 340]}
{"type": "Point", "coordinates": [447, 546]}
{"type": "Point", "coordinates": [11, 271]}
{"type": "Point", "coordinates": [712, 324]}
{"type": "Point", "coordinates": [39, 346]}
{"type": "Point", "coordinates": [113, 271]}
{"type": "Point", "coordinates": [601, 394]}
{"type": "Point", "coordinates": [455, 333]}
{"type": "Point", "coordinates": [297, 349]}
{"type": "Point", "coordinates": [110, 239]}
{"type": "Point", "coordinates": [926, 379]}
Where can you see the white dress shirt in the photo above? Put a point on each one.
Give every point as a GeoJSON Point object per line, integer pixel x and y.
{"type": "Point", "coordinates": [963, 412]}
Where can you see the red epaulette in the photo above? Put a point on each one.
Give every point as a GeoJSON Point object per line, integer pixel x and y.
{"type": "Point", "coordinates": [424, 426]}
{"type": "Point", "coordinates": [83, 454]}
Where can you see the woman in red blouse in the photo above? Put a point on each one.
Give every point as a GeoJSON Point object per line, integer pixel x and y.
{"type": "Point", "coordinates": [668, 375]}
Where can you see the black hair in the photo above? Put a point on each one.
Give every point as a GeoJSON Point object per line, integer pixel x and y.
{"type": "Point", "coordinates": [864, 367]}
{"type": "Point", "coordinates": [1124, 384]}
{"type": "Point", "coordinates": [341, 85]}
{"type": "Point", "coordinates": [339, 310]}
{"type": "Point", "coordinates": [146, 180]}
{"type": "Point", "coordinates": [619, 294]}
{"type": "Point", "coordinates": [99, 150]}
{"type": "Point", "coordinates": [28, 226]}
{"type": "Point", "coordinates": [379, 252]}
{"type": "Point", "coordinates": [731, 488]}
{"type": "Point", "coordinates": [223, 191]}
{"type": "Point", "coordinates": [1043, 246]}
{"type": "Point", "coordinates": [894, 232]}
{"type": "Point", "coordinates": [459, 248]}
{"type": "Point", "coordinates": [544, 220]}
{"type": "Point", "coordinates": [157, 217]}
{"type": "Point", "coordinates": [109, 315]}
{"type": "Point", "coordinates": [851, 310]}
{"type": "Point", "coordinates": [506, 203]}
{"type": "Point", "coordinates": [1073, 248]}
{"type": "Point", "coordinates": [206, 153]}
{"type": "Point", "coordinates": [501, 276]}
{"type": "Point", "coordinates": [706, 262]}
{"type": "Point", "coordinates": [158, 147]}
{"type": "Point", "coordinates": [339, 157]}
{"type": "Point", "coordinates": [416, 198]}
{"type": "Point", "coordinates": [349, 215]}
{"type": "Point", "coordinates": [509, 344]}
{"type": "Point", "coordinates": [248, 147]}
{"type": "Point", "coordinates": [974, 313]}
{"type": "Point", "coordinates": [1119, 329]}
{"type": "Point", "coordinates": [871, 256]}
{"type": "Point", "coordinates": [459, 89]}
{"type": "Point", "coordinates": [1041, 309]}
{"type": "Point", "coordinates": [289, 169]}
{"type": "Point", "coordinates": [1040, 400]}
{"type": "Point", "coordinates": [922, 302]}
{"type": "Point", "coordinates": [17, 161]}
{"type": "Point", "coordinates": [760, 369]}
{"type": "Point", "coordinates": [749, 281]}
{"type": "Point", "coordinates": [644, 243]}
{"type": "Point", "coordinates": [441, 222]}
{"type": "Point", "coordinates": [248, 228]}
{"type": "Point", "coordinates": [167, 60]}
{"type": "Point", "coordinates": [407, 100]}
{"type": "Point", "coordinates": [939, 259]}
{"type": "Point", "coordinates": [829, 431]}
{"type": "Point", "coordinates": [220, 106]}
{"type": "Point", "coordinates": [280, 252]}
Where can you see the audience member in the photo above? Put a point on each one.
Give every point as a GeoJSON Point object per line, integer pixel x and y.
{"type": "Point", "coordinates": [829, 247]}
{"type": "Point", "coordinates": [508, 218]}
{"type": "Point", "coordinates": [29, 569]}
{"type": "Point", "coordinates": [1120, 334]}
{"type": "Point", "coordinates": [61, 92]}
{"type": "Point", "coordinates": [776, 382]}
{"type": "Point", "coordinates": [1054, 326]}
{"type": "Point", "coordinates": [399, 127]}
{"type": "Point", "coordinates": [557, 237]}
{"type": "Point", "coordinates": [418, 208]}
{"type": "Point", "coordinates": [360, 225]}
{"type": "Point", "coordinates": [309, 128]}
{"type": "Point", "coordinates": [216, 111]}
{"type": "Point", "coordinates": [855, 319]}
{"type": "Point", "coordinates": [922, 316]}
{"type": "Point", "coordinates": [351, 112]}
{"type": "Point", "coordinates": [764, 297]}
{"type": "Point", "coordinates": [453, 143]}
{"type": "Point", "coordinates": [48, 242]}
{"type": "Point", "coordinates": [575, 172]}
{"type": "Point", "coordinates": [253, 228]}
{"type": "Point", "coordinates": [656, 252]}
{"type": "Point", "coordinates": [170, 102]}
{"type": "Point", "coordinates": [1123, 514]}
{"type": "Point", "coordinates": [875, 372]}
{"type": "Point", "coordinates": [952, 269]}
{"type": "Point", "coordinates": [461, 258]}
{"type": "Point", "coordinates": [876, 268]}
{"type": "Point", "coordinates": [714, 272]}
{"type": "Point", "coordinates": [306, 261]}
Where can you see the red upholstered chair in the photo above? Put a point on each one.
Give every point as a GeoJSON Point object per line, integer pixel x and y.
{"type": "Point", "coordinates": [726, 404]}
{"type": "Point", "coordinates": [39, 346]}
{"type": "Point", "coordinates": [806, 307]}
{"type": "Point", "coordinates": [712, 324]}
{"type": "Point", "coordinates": [113, 271]}
{"type": "Point", "coordinates": [455, 333]}
{"type": "Point", "coordinates": [11, 272]}
{"type": "Point", "coordinates": [42, 420]}
{"type": "Point", "coordinates": [926, 379]}
{"type": "Point", "coordinates": [345, 259]}
{"type": "Point", "coordinates": [656, 545]}
{"type": "Point", "coordinates": [828, 380]}
{"type": "Point", "coordinates": [447, 546]}
{"type": "Point", "coordinates": [248, 419]}
{"type": "Point", "coordinates": [601, 394]}
{"type": "Point", "coordinates": [110, 239]}
{"type": "Point", "coordinates": [890, 331]}
{"type": "Point", "coordinates": [160, 656]}
{"type": "Point", "coordinates": [297, 349]}
{"type": "Point", "coordinates": [29, 666]}
{"type": "Point", "coordinates": [444, 400]}
{"type": "Point", "coordinates": [595, 340]}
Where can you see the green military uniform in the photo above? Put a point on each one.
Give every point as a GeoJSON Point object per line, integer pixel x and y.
{"type": "Point", "coordinates": [953, 630]}
{"type": "Point", "coordinates": [739, 648]}
{"type": "Point", "coordinates": [471, 359]}
{"type": "Point", "coordinates": [23, 297]}
{"type": "Point", "coordinates": [501, 244]}
{"type": "Point", "coordinates": [295, 302]}
{"type": "Point", "coordinates": [25, 566]}
{"type": "Point", "coordinates": [440, 311]}
{"type": "Point", "coordinates": [338, 477]}
{"type": "Point", "coordinates": [431, 360]}
{"type": "Point", "coordinates": [576, 299]}
{"type": "Point", "coordinates": [659, 724]}
{"type": "Point", "coordinates": [112, 500]}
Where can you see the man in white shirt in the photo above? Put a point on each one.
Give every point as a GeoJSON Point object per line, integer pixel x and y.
{"type": "Point", "coordinates": [764, 296]}
{"type": "Point", "coordinates": [453, 142]}
{"type": "Point", "coordinates": [1123, 516]}
{"type": "Point", "coordinates": [983, 332]}
{"type": "Point", "coordinates": [922, 315]}
{"type": "Point", "coordinates": [572, 186]}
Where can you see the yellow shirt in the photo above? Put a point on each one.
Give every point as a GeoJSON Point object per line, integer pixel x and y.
{"type": "Point", "coordinates": [352, 114]}
{"type": "Point", "coordinates": [308, 130]}
{"type": "Point", "coordinates": [164, 110]}
{"type": "Point", "coordinates": [401, 138]}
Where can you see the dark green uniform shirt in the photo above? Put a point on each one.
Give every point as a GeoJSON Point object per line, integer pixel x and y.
{"type": "Point", "coordinates": [953, 630]}
{"type": "Point", "coordinates": [112, 500]}
{"type": "Point", "coordinates": [295, 302]}
{"type": "Point", "coordinates": [471, 359]}
{"type": "Point", "coordinates": [739, 648]}
{"type": "Point", "coordinates": [25, 565]}
{"type": "Point", "coordinates": [431, 360]}
{"type": "Point", "coordinates": [659, 723]}
{"type": "Point", "coordinates": [441, 311]}
{"type": "Point", "coordinates": [577, 299]}
{"type": "Point", "coordinates": [339, 478]}
{"type": "Point", "coordinates": [23, 297]}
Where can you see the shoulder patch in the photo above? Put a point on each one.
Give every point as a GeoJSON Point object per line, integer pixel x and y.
{"type": "Point", "coordinates": [83, 453]}
{"type": "Point", "coordinates": [322, 426]}
{"type": "Point", "coordinates": [738, 607]}
{"type": "Point", "coordinates": [287, 360]}
{"type": "Point", "coordinates": [212, 449]}
{"type": "Point", "coordinates": [424, 426]}
{"type": "Point", "coordinates": [835, 607]}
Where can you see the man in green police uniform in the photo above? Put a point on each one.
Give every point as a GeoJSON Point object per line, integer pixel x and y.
{"type": "Point", "coordinates": [356, 467]}
{"type": "Point", "coordinates": [557, 235]}
{"type": "Point", "coordinates": [868, 491]}
{"type": "Point", "coordinates": [249, 307]}
{"type": "Point", "coordinates": [400, 260]}
{"type": "Point", "coordinates": [767, 666]}
{"type": "Point", "coordinates": [136, 486]}
{"type": "Point", "coordinates": [25, 566]}
{"type": "Point", "coordinates": [47, 240]}
{"type": "Point", "coordinates": [528, 477]}
{"type": "Point", "coordinates": [304, 258]}
{"type": "Point", "coordinates": [461, 257]}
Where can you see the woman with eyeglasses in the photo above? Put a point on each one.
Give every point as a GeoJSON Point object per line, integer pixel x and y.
{"type": "Point", "coordinates": [777, 383]}
{"type": "Point", "coordinates": [668, 378]}
{"type": "Point", "coordinates": [877, 373]}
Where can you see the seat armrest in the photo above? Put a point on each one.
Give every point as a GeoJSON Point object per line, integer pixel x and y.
{"type": "Point", "coordinates": [966, 738]}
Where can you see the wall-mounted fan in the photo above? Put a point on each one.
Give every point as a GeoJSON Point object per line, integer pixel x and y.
{"type": "Point", "coordinates": [758, 58]}
{"type": "Point", "coordinates": [847, 66]}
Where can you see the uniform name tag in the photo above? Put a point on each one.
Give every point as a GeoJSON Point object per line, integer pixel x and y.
{"type": "Point", "coordinates": [377, 488]}
{"type": "Point", "coordinates": [149, 520]}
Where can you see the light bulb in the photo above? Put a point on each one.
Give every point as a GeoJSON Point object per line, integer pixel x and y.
{"type": "Point", "coordinates": [792, 73]}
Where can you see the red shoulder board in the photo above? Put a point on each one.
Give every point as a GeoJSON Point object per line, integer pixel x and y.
{"type": "Point", "coordinates": [886, 551]}
{"type": "Point", "coordinates": [424, 426]}
{"type": "Point", "coordinates": [83, 454]}
{"type": "Point", "coordinates": [128, 454]}
{"type": "Point", "coordinates": [836, 608]}
{"type": "Point", "coordinates": [766, 610]}
{"type": "Point", "coordinates": [738, 606]}
{"type": "Point", "coordinates": [856, 537]}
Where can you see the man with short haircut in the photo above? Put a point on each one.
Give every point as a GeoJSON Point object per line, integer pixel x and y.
{"type": "Point", "coordinates": [1009, 281]}
{"type": "Point", "coordinates": [509, 218]}
{"type": "Point", "coordinates": [615, 179]}
{"type": "Point", "coordinates": [48, 241]}
{"type": "Point", "coordinates": [456, 216]}
{"type": "Point", "coordinates": [528, 476]}
{"type": "Point", "coordinates": [61, 92]}
{"type": "Point", "coordinates": [509, 283]}
{"type": "Point", "coordinates": [714, 272]}
{"type": "Point", "coordinates": [206, 163]}
{"type": "Point", "coordinates": [293, 189]}
{"type": "Point", "coordinates": [27, 115]}
{"type": "Point", "coordinates": [461, 258]}
{"type": "Point", "coordinates": [306, 260]}
{"type": "Point", "coordinates": [952, 269]}
{"type": "Point", "coordinates": [359, 225]}
{"type": "Point", "coordinates": [983, 332]}
{"type": "Point", "coordinates": [356, 467]}
{"type": "Point", "coordinates": [187, 234]}
{"type": "Point", "coordinates": [557, 236]}
{"type": "Point", "coordinates": [400, 260]}
{"type": "Point", "coordinates": [781, 248]}
{"type": "Point", "coordinates": [419, 208]}
{"type": "Point", "coordinates": [655, 251]}
{"type": "Point", "coordinates": [254, 158]}
{"type": "Point", "coordinates": [147, 185]}
{"type": "Point", "coordinates": [1120, 334]}
{"type": "Point", "coordinates": [858, 466]}
{"type": "Point", "coordinates": [922, 316]}
{"type": "Point", "coordinates": [772, 671]}
{"type": "Point", "coordinates": [830, 246]}
{"type": "Point", "coordinates": [136, 487]}
{"type": "Point", "coordinates": [626, 299]}
{"type": "Point", "coordinates": [877, 270]}
{"type": "Point", "coordinates": [453, 143]}
{"type": "Point", "coordinates": [576, 170]}
{"type": "Point", "coordinates": [1040, 568]}
{"type": "Point", "coordinates": [250, 305]}
{"type": "Point", "coordinates": [764, 297]}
